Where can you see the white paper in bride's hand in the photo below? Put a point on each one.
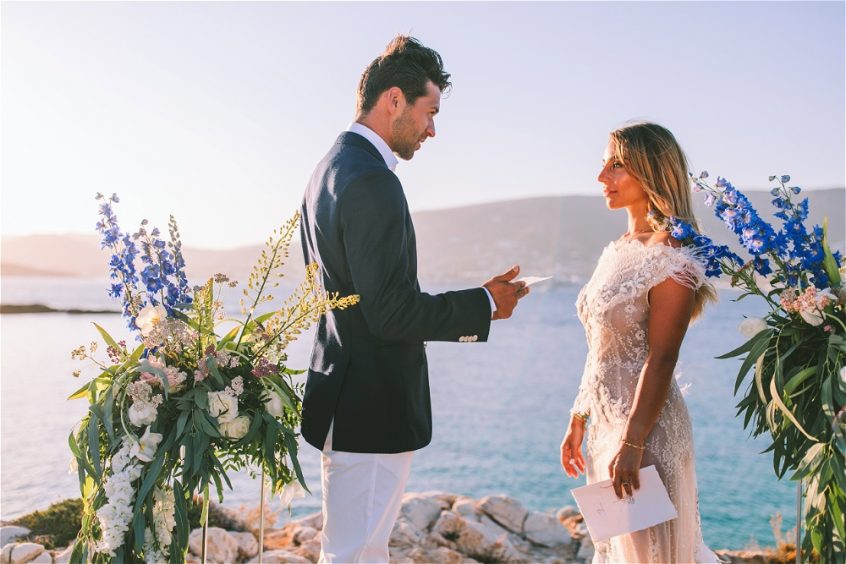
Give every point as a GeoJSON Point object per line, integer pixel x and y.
{"type": "Point", "coordinates": [529, 280]}
{"type": "Point", "coordinates": [607, 516]}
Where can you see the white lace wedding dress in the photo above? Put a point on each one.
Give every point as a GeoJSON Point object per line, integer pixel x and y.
{"type": "Point", "coordinates": [614, 309]}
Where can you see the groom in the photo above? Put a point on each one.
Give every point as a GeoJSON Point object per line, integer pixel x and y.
{"type": "Point", "coordinates": [366, 403]}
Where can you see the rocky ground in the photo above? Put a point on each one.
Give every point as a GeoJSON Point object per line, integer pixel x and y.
{"type": "Point", "coordinates": [433, 527]}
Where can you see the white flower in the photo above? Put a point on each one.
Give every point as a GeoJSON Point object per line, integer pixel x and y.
{"type": "Point", "coordinates": [751, 326]}
{"type": "Point", "coordinates": [149, 317]}
{"type": "Point", "coordinates": [142, 413]}
{"type": "Point", "coordinates": [145, 449]}
{"type": "Point", "coordinates": [274, 405]}
{"type": "Point", "coordinates": [812, 316]}
{"type": "Point", "coordinates": [236, 428]}
{"type": "Point", "coordinates": [290, 492]}
{"type": "Point", "coordinates": [223, 406]}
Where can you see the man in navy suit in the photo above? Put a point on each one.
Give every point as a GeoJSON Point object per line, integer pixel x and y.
{"type": "Point", "coordinates": [367, 404]}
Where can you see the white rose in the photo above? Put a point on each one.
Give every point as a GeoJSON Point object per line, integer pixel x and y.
{"type": "Point", "coordinates": [142, 413]}
{"type": "Point", "coordinates": [812, 317]}
{"type": "Point", "coordinates": [290, 492]}
{"type": "Point", "coordinates": [145, 449]}
{"type": "Point", "coordinates": [751, 326]}
{"type": "Point", "coordinates": [149, 317]}
{"type": "Point", "coordinates": [223, 406]}
{"type": "Point", "coordinates": [274, 405]}
{"type": "Point", "coordinates": [236, 428]}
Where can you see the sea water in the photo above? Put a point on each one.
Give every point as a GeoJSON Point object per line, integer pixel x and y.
{"type": "Point", "coordinates": [500, 410]}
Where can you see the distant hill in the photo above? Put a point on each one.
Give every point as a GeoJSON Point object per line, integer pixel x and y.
{"type": "Point", "coordinates": [556, 235]}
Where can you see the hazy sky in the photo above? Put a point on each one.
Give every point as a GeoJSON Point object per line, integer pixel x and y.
{"type": "Point", "coordinates": [218, 112]}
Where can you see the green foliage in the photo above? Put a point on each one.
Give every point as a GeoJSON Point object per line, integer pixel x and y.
{"type": "Point", "coordinates": [796, 395]}
{"type": "Point", "coordinates": [56, 526]}
{"type": "Point", "coordinates": [218, 405]}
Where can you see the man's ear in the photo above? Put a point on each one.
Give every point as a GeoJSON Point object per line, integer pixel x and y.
{"type": "Point", "coordinates": [395, 99]}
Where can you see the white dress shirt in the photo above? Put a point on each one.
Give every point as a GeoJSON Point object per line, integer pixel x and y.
{"type": "Point", "coordinates": [391, 160]}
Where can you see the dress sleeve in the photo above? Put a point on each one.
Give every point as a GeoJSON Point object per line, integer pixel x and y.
{"type": "Point", "coordinates": [582, 403]}
{"type": "Point", "coordinates": [681, 264]}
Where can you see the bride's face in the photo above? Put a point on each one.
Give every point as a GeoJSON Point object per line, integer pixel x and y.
{"type": "Point", "coordinates": [621, 190]}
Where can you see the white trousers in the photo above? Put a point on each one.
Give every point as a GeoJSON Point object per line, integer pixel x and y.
{"type": "Point", "coordinates": [362, 497]}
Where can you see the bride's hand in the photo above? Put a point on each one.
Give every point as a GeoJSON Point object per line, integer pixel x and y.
{"type": "Point", "coordinates": [571, 449]}
{"type": "Point", "coordinates": [625, 470]}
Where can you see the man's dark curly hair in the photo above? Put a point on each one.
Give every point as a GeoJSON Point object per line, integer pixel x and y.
{"type": "Point", "coordinates": [406, 63]}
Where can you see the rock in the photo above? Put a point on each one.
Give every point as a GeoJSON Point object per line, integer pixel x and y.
{"type": "Point", "coordinates": [62, 556]}
{"type": "Point", "coordinates": [306, 534]}
{"type": "Point", "coordinates": [466, 507]}
{"type": "Point", "coordinates": [19, 553]}
{"type": "Point", "coordinates": [309, 550]}
{"type": "Point", "coordinates": [567, 512]}
{"type": "Point", "coordinates": [315, 521]}
{"type": "Point", "coordinates": [276, 556]}
{"type": "Point", "coordinates": [421, 510]}
{"type": "Point", "coordinates": [405, 534]}
{"type": "Point", "coordinates": [481, 541]}
{"type": "Point", "coordinates": [10, 533]}
{"type": "Point", "coordinates": [545, 530]}
{"type": "Point", "coordinates": [43, 558]}
{"type": "Point", "coordinates": [281, 539]}
{"type": "Point", "coordinates": [220, 547]}
{"type": "Point", "coordinates": [504, 510]}
{"type": "Point", "coordinates": [247, 544]}
{"type": "Point", "coordinates": [586, 549]}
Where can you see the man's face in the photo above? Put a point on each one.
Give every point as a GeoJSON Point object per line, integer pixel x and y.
{"type": "Point", "coordinates": [415, 123]}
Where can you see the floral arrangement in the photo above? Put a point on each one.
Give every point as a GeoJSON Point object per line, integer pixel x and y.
{"type": "Point", "coordinates": [171, 415]}
{"type": "Point", "coordinates": [795, 363]}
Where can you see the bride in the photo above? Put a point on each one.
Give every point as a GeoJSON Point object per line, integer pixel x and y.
{"type": "Point", "coordinates": [636, 307]}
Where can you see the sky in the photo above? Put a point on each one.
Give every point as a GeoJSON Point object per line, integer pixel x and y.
{"type": "Point", "coordinates": [218, 112]}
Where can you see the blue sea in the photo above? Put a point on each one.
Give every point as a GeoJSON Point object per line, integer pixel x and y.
{"type": "Point", "coordinates": [500, 410]}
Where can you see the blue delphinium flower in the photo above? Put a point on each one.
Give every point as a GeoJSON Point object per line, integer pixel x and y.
{"type": "Point", "coordinates": [711, 255]}
{"type": "Point", "coordinates": [799, 254]}
{"type": "Point", "coordinates": [122, 260]}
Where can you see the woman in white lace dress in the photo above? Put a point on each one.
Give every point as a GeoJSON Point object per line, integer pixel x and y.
{"type": "Point", "coordinates": [635, 309]}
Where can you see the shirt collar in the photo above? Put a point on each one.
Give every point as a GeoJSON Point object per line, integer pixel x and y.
{"type": "Point", "coordinates": [388, 155]}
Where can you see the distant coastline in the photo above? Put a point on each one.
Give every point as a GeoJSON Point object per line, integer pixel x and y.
{"type": "Point", "coordinates": [11, 309]}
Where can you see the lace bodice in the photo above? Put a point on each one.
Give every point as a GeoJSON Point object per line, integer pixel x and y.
{"type": "Point", "coordinates": [614, 309]}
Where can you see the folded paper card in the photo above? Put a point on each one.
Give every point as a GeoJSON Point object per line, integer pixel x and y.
{"type": "Point", "coordinates": [529, 280]}
{"type": "Point", "coordinates": [607, 516]}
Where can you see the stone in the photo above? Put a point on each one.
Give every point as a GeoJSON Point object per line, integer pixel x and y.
{"type": "Point", "coordinates": [315, 521]}
{"type": "Point", "coordinates": [220, 547]}
{"type": "Point", "coordinates": [405, 534]}
{"type": "Point", "coordinates": [43, 558]}
{"type": "Point", "coordinates": [586, 549]}
{"type": "Point", "coordinates": [309, 550]}
{"type": "Point", "coordinates": [421, 510]}
{"type": "Point", "coordinates": [279, 556]}
{"type": "Point", "coordinates": [62, 556]}
{"type": "Point", "coordinates": [466, 507]}
{"type": "Point", "coordinates": [281, 539]}
{"type": "Point", "coordinates": [504, 510]}
{"type": "Point", "coordinates": [20, 553]}
{"type": "Point", "coordinates": [305, 534]}
{"type": "Point", "coordinates": [247, 544]}
{"type": "Point", "coordinates": [481, 541]}
{"type": "Point", "coordinates": [10, 533]}
{"type": "Point", "coordinates": [567, 512]}
{"type": "Point", "coordinates": [546, 530]}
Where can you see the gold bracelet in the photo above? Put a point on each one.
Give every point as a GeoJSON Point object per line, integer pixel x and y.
{"type": "Point", "coordinates": [628, 444]}
{"type": "Point", "coordinates": [580, 415]}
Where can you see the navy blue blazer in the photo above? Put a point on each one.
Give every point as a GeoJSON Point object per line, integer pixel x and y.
{"type": "Point", "coordinates": [368, 368]}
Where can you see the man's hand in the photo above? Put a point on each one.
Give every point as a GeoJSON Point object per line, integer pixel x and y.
{"type": "Point", "coordinates": [505, 293]}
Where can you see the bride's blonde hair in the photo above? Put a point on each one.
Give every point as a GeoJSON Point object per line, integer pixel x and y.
{"type": "Point", "coordinates": [651, 154]}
